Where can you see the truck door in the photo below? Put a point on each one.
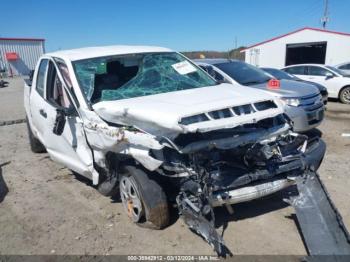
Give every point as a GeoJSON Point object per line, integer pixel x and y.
{"type": "Point", "coordinates": [69, 147]}
{"type": "Point", "coordinates": [37, 100]}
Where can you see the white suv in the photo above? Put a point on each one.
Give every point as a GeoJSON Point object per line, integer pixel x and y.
{"type": "Point", "coordinates": [336, 81]}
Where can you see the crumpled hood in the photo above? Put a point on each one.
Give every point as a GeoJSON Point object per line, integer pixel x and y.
{"type": "Point", "coordinates": [289, 89]}
{"type": "Point", "coordinates": [160, 114]}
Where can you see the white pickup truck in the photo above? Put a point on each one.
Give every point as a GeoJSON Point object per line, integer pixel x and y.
{"type": "Point", "coordinates": [151, 123]}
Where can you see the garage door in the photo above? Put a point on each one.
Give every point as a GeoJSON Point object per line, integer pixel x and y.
{"type": "Point", "coordinates": [314, 53]}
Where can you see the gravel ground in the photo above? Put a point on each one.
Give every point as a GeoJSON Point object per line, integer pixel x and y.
{"type": "Point", "coordinates": [45, 209]}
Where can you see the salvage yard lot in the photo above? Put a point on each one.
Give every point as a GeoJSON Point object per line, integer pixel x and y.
{"type": "Point", "coordinates": [48, 210]}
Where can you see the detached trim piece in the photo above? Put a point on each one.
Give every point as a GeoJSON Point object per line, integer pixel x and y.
{"type": "Point", "coordinates": [320, 222]}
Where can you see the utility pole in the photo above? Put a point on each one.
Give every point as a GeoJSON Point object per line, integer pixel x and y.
{"type": "Point", "coordinates": [325, 18]}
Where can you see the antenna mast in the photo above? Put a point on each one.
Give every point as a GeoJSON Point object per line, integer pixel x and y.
{"type": "Point", "coordinates": [325, 18]}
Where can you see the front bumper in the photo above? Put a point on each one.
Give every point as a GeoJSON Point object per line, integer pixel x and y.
{"type": "Point", "coordinates": [249, 193]}
{"type": "Point", "coordinates": [305, 120]}
{"type": "Point", "coordinates": [312, 159]}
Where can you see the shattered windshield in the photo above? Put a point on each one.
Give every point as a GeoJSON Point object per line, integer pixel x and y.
{"type": "Point", "coordinates": [128, 76]}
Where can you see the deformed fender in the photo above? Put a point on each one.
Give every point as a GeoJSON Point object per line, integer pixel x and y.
{"type": "Point", "coordinates": [107, 138]}
{"type": "Point", "coordinates": [103, 138]}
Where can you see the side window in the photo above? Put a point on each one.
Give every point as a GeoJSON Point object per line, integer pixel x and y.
{"type": "Point", "coordinates": [65, 73]}
{"type": "Point", "coordinates": [56, 94]}
{"type": "Point", "coordinates": [219, 77]}
{"type": "Point", "coordinates": [213, 73]}
{"type": "Point", "coordinates": [345, 67]}
{"type": "Point", "coordinates": [40, 79]}
{"type": "Point", "coordinates": [317, 71]}
{"type": "Point", "coordinates": [296, 70]}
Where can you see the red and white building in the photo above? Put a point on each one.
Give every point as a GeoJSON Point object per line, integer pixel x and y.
{"type": "Point", "coordinates": [306, 45]}
{"type": "Point", "coordinates": [19, 55]}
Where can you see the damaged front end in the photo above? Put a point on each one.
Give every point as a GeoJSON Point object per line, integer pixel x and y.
{"type": "Point", "coordinates": [246, 163]}
{"type": "Point", "coordinates": [219, 162]}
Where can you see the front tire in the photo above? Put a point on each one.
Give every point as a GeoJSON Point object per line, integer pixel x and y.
{"type": "Point", "coordinates": [143, 199]}
{"type": "Point", "coordinates": [344, 95]}
{"type": "Point", "coordinates": [35, 145]}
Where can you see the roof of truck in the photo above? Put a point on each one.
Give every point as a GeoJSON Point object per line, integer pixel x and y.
{"type": "Point", "coordinates": [90, 52]}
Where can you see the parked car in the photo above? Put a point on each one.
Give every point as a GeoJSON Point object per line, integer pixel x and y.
{"type": "Point", "coordinates": [279, 74]}
{"type": "Point", "coordinates": [336, 82]}
{"type": "Point", "coordinates": [344, 67]}
{"type": "Point", "coordinates": [302, 102]}
{"type": "Point", "coordinates": [151, 121]}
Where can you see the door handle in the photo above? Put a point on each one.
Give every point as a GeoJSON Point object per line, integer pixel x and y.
{"type": "Point", "coordinates": [43, 113]}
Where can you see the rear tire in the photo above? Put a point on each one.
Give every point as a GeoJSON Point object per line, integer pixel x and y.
{"type": "Point", "coordinates": [143, 199]}
{"type": "Point", "coordinates": [35, 145]}
{"type": "Point", "coordinates": [344, 95]}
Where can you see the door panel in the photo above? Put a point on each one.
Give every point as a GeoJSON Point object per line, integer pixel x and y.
{"type": "Point", "coordinates": [319, 75]}
{"type": "Point", "coordinates": [69, 148]}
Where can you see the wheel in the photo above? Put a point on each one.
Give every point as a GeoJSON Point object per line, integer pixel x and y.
{"type": "Point", "coordinates": [344, 95]}
{"type": "Point", "coordinates": [35, 145]}
{"type": "Point", "coordinates": [143, 199]}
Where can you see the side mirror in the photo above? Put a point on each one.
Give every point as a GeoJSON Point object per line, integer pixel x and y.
{"type": "Point", "coordinates": [60, 121]}
{"type": "Point", "coordinates": [329, 75]}
{"type": "Point", "coordinates": [31, 74]}
{"type": "Point", "coordinates": [61, 116]}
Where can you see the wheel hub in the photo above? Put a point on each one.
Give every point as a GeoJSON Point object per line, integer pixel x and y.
{"type": "Point", "coordinates": [346, 95]}
{"type": "Point", "coordinates": [131, 198]}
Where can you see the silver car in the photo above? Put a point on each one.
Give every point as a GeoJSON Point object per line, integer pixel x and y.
{"type": "Point", "coordinates": [302, 102]}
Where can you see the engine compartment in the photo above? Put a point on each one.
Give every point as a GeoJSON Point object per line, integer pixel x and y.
{"type": "Point", "coordinates": [208, 167]}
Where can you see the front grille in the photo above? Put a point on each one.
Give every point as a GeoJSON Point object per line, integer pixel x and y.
{"type": "Point", "coordinates": [315, 117]}
{"type": "Point", "coordinates": [312, 102]}
{"type": "Point", "coordinates": [229, 112]}
{"type": "Point", "coordinates": [314, 107]}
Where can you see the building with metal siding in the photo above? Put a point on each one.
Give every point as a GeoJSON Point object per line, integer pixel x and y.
{"type": "Point", "coordinates": [306, 45]}
{"type": "Point", "coordinates": [19, 55]}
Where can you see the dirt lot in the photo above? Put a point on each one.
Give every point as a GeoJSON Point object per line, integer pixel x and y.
{"type": "Point", "coordinates": [47, 210]}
